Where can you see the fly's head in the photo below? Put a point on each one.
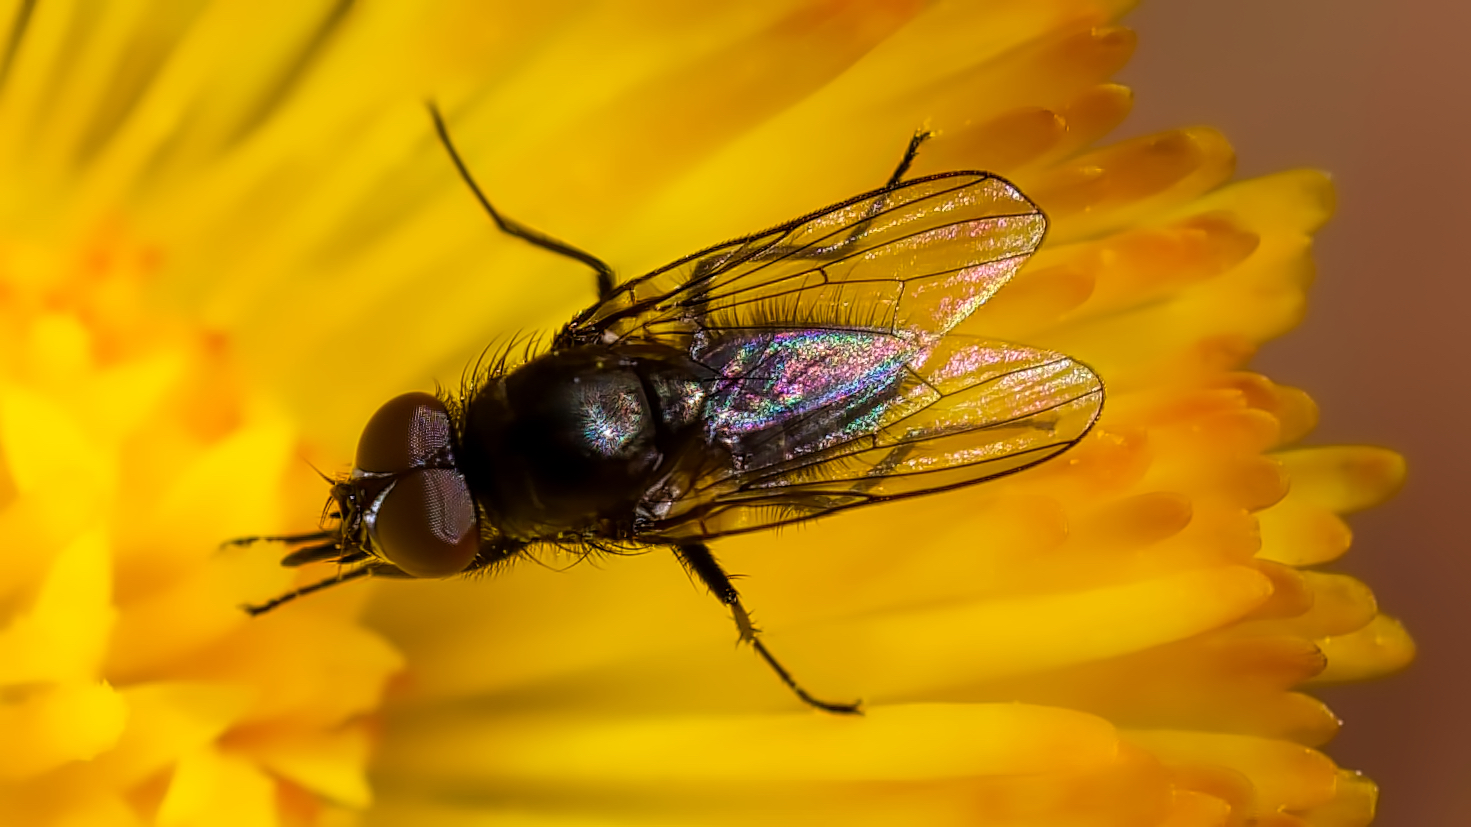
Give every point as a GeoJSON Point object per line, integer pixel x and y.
{"type": "Point", "coordinates": [406, 502]}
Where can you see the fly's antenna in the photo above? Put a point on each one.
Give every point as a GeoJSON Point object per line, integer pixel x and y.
{"type": "Point", "coordinates": [323, 474]}
{"type": "Point", "coordinates": [514, 228]}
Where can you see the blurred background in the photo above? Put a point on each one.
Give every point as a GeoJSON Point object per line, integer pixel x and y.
{"type": "Point", "coordinates": [1376, 93]}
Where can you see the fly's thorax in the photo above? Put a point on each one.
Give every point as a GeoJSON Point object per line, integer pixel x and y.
{"type": "Point", "coordinates": [407, 499]}
{"type": "Point", "coordinates": [573, 439]}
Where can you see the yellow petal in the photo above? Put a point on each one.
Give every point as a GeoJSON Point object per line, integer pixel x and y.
{"type": "Point", "coordinates": [54, 726]}
{"type": "Point", "coordinates": [886, 744]}
{"type": "Point", "coordinates": [1282, 775]}
{"type": "Point", "coordinates": [1377, 649]}
{"type": "Point", "coordinates": [1353, 803]}
{"type": "Point", "coordinates": [167, 721]}
{"type": "Point", "coordinates": [330, 765]}
{"type": "Point", "coordinates": [1345, 479]}
{"type": "Point", "coordinates": [1298, 532]}
{"type": "Point", "coordinates": [44, 441]}
{"type": "Point", "coordinates": [64, 635]}
{"type": "Point", "coordinates": [214, 789]}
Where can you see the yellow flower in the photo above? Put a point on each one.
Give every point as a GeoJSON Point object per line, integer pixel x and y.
{"type": "Point", "coordinates": [227, 234]}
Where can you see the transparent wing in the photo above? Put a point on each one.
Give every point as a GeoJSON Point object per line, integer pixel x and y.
{"type": "Point", "coordinates": [917, 257]}
{"type": "Point", "coordinates": [967, 410]}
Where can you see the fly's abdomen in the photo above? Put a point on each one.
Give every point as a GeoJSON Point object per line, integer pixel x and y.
{"type": "Point", "coordinates": [782, 393]}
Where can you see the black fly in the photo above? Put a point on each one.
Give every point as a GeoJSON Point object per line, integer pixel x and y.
{"type": "Point", "coordinates": [778, 377]}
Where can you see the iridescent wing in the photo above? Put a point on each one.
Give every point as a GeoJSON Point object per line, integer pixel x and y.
{"type": "Point", "coordinates": [835, 384]}
{"type": "Point", "coordinates": [916, 258]}
{"type": "Point", "coordinates": [962, 412]}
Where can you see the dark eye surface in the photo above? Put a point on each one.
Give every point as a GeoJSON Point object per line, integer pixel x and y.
{"type": "Point", "coordinates": [426, 523]}
{"type": "Point", "coordinates": [405, 433]}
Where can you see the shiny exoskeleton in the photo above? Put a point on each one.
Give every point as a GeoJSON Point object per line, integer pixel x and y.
{"type": "Point", "coordinates": [782, 376]}
{"type": "Point", "coordinates": [573, 443]}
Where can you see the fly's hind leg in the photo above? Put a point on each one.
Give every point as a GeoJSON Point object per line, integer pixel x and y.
{"type": "Point", "coordinates": [698, 560]}
{"type": "Point", "coordinates": [910, 153]}
{"type": "Point", "coordinates": [880, 203]}
{"type": "Point", "coordinates": [855, 232]}
{"type": "Point", "coordinates": [831, 252]}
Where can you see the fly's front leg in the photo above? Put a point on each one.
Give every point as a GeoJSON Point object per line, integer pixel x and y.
{"type": "Point", "coordinates": [343, 576]}
{"type": "Point", "coordinates": [698, 560]}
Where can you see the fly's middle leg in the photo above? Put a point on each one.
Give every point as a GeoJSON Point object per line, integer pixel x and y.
{"type": "Point", "coordinates": [602, 271]}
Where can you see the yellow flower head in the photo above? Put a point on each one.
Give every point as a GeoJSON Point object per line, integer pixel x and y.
{"type": "Point", "coordinates": [227, 234]}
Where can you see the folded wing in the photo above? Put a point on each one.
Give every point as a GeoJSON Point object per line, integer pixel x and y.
{"type": "Point", "coordinates": [962, 412]}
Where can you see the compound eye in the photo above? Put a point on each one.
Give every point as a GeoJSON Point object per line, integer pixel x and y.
{"type": "Point", "coordinates": [403, 434]}
{"type": "Point", "coordinates": [426, 524]}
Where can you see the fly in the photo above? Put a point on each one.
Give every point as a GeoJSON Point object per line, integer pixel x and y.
{"type": "Point", "coordinates": [783, 376]}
